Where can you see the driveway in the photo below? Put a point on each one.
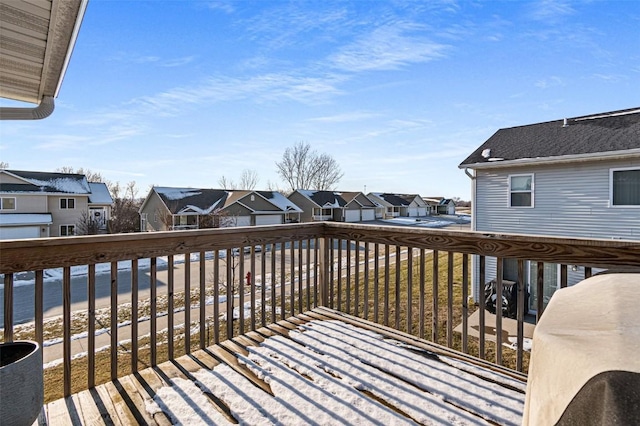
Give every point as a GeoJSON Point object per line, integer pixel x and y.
{"type": "Point", "coordinates": [454, 222]}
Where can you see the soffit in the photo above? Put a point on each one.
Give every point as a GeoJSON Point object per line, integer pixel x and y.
{"type": "Point", "coordinates": [36, 40]}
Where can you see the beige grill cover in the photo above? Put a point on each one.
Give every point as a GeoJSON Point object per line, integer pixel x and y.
{"type": "Point", "coordinates": [588, 329]}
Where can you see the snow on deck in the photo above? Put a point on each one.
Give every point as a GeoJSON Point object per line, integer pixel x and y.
{"type": "Point", "coordinates": [331, 372]}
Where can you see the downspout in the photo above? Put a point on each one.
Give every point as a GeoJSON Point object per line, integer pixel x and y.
{"type": "Point", "coordinates": [43, 110]}
{"type": "Point", "coordinates": [475, 285]}
{"type": "Point", "coordinates": [473, 198]}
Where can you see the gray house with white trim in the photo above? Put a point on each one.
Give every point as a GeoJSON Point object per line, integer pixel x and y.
{"type": "Point", "coordinates": [577, 177]}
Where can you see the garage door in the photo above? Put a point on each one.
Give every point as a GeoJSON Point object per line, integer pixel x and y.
{"type": "Point", "coordinates": [13, 232]}
{"type": "Point", "coordinates": [369, 214]}
{"type": "Point", "coordinates": [413, 211]}
{"type": "Point", "coordinates": [231, 221]}
{"type": "Point", "coordinates": [269, 219]}
{"type": "Point", "coordinates": [422, 211]}
{"type": "Point", "coordinates": [352, 215]}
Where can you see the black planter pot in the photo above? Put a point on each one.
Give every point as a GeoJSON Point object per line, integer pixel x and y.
{"type": "Point", "coordinates": [21, 383]}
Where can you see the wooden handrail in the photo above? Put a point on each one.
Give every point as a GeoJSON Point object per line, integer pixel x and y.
{"type": "Point", "coordinates": [316, 275]}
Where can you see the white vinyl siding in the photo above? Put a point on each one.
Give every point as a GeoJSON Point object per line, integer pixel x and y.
{"type": "Point", "coordinates": [625, 187]}
{"type": "Point", "coordinates": [571, 200]}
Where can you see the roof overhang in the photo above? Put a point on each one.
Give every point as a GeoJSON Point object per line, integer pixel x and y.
{"type": "Point", "coordinates": [612, 155]}
{"type": "Point", "coordinates": [36, 42]}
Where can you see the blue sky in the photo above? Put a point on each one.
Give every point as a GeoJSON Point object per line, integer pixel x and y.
{"type": "Point", "coordinates": [180, 93]}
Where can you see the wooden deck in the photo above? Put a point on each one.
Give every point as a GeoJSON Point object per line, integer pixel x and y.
{"type": "Point", "coordinates": [320, 367]}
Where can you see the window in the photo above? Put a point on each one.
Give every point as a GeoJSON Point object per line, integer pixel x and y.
{"type": "Point", "coordinates": [521, 191]}
{"type": "Point", "coordinates": [66, 230]}
{"type": "Point", "coordinates": [67, 203]}
{"type": "Point", "coordinates": [7, 203]}
{"type": "Point", "coordinates": [322, 212]}
{"type": "Point", "coordinates": [625, 187]}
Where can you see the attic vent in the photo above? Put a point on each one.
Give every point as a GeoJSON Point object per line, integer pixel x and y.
{"type": "Point", "coordinates": [486, 153]}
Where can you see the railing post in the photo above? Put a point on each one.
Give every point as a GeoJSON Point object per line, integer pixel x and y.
{"type": "Point", "coordinates": [323, 268]}
{"type": "Point", "coordinates": [8, 308]}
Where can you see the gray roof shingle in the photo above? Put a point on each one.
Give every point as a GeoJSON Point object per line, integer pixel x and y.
{"type": "Point", "coordinates": [604, 132]}
{"type": "Point", "coordinates": [51, 182]}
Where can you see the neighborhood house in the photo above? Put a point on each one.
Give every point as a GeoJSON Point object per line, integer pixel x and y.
{"type": "Point", "coordinates": [334, 206]}
{"type": "Point", "coordinates": [400, 205]}
{"type": "Point", "coordinates": [576, 177]}
{"type": "Point", "coordinates": [42, 204]}
{"type": "Point", "coordinates": [168, 208]}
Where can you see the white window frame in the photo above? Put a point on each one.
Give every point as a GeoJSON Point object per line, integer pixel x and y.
{"type": "Point", "coordinates": [532, 191]}
{"type": "Point", "coordinates": [67, 204]}
{"type": "Point", "coordinates": [620, 206]}
{"type": "Point", "coordinates": [66, 227]}
{"type": "Point", "coordinates": [15, 203]}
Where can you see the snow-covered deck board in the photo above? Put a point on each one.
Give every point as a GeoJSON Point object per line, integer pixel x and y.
{"type": "Point", "coordinates": [321, 367]}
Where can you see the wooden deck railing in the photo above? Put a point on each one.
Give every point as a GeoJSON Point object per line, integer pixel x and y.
{"type": "Point", "coordinates": [415, 280]}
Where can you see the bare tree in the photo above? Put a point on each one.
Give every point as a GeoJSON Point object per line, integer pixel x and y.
{"type": "Point", "coordinates": [164, 217]}
{"type": "Point", "coordinates": [226, 183]}
{"type": "Point", "coordinates": [4, 165]}
{"type": "Point", "coordinates": [89, 174]}
{"type": "Point", "coordinates": [87, 225]}
{"type": "Point", "coordinates": [248, 181]}
{"type": "Point", "coordinates": [303, 168]}
{"type": "Point", "coordinates": [124, 214]}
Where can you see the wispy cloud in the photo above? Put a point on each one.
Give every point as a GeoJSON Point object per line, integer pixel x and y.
{"type": "Point", "coordinates": [177, 62]}
{"type": "Point", "coordinates": [551, 10]}
{"type": "Point", "coordinates": [549, 82]}
{"type": "Point", "coordinates": [610, 77]}
{"type": "Point", "coordinates": [261, 88]}
{"type": "Point", "coordinates": [345, 117]}
{"type": "Point", "coordinates": [61, 142]}
{"type": "Point", "coordinates": [293, 25]}
{"type": "Point", "coordinates": [387, 48]}
{"type": "Point", "coordinates": [133, 58]}
{"type": "Point", "coordinates": [224, 6]}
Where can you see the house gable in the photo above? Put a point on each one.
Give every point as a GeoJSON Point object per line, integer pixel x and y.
{"type": "Point", "coordinates": [193, 200]}
{"type": "Point", "coordinates": [257, 203]}
{"type": "Point", "coordinates": [280, 201]}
